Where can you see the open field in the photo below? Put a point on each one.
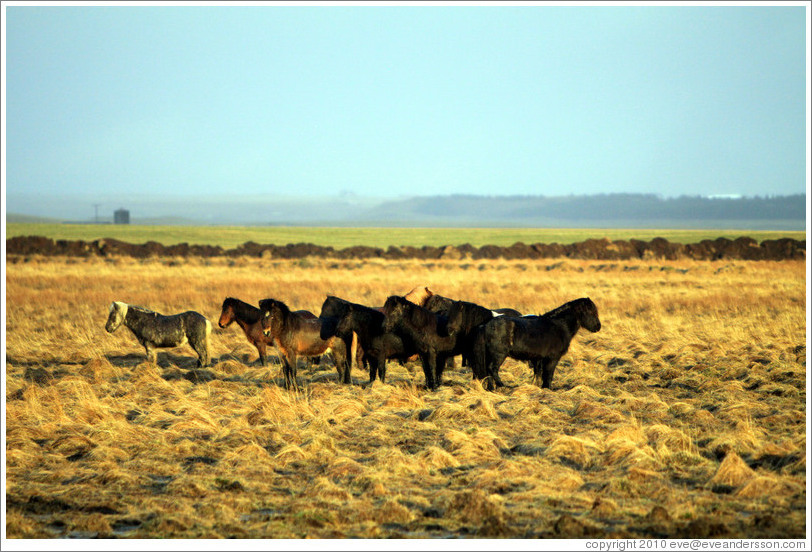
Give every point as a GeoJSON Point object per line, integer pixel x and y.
{"type": "Point", "coordinates": [232, 236]}
{"type": "Point", "coordinates": [685, 416]}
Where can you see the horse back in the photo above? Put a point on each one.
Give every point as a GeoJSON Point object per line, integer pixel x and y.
{"type": "Point", "coordinates": [537, 337]}
{"type": "Point", "coordinates": [306, 314]}
{"type": "Point", "coordinates": [195, 324]}
{"type": "Point", "coordinates": [159, 329]}
{"type": "Point", "coordinates": [367, 323]}
{"type": "Point", "coordinates": [304, 336]}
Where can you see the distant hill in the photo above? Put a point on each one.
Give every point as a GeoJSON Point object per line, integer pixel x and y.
{"type": "Point", "coordinates": [30, 219]}
{"type": "Point", "coordinates": [526, 211]}
{"type": "Point", "coordinates": [603, 210]}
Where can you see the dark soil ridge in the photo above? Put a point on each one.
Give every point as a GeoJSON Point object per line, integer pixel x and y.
{"type": "Point", "coordinates": [743, 248]}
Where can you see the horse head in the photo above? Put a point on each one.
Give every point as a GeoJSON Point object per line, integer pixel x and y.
{"type": "Point", "coordinates": [118, 312]}
{"type": "Point", "coordinates": [227, 313]}
{"type": "Point", "coordinates": [588, 314]}
{"type": "Point", "coordinates": [345, 323]}
{"type": "Point", "coordinates": [333, 307]}
{"type": "Point", "coordinates": [455, 318]}
{"type": "Point", "coordinates": [393, 311]}
{"type": "Point", "coordinates": [272, 315]}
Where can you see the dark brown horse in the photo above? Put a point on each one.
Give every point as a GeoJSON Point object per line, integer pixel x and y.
{"type": "Point", "coordinates": [367, 324]}
{"type": "Point", "coordinates": [296, 335]}
{"type": "Point", "coordinates": [540, 340]}
{"type": "Point", "coordinates": [247, 318]}
{"type": "Point", "coordinates": [423, 331]}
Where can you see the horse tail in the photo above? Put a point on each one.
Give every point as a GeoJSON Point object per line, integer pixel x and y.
{"type": "Point", "coordinates": [207, 339]}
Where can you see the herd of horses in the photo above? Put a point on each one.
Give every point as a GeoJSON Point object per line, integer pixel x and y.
{"type": "Point", "coordinates": [419, 325]}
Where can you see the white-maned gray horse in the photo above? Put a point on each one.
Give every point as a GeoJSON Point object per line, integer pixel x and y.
{"type": "Point", "coordinates": [154, 330]}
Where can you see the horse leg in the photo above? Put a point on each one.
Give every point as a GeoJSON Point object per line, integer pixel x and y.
{"type": "Point", "coordinates": [547, 371]}
{"type": "Point", "coordinates": [361, 359]}
{"type": "Point", "coordinates": [424, 361]}
{"type": "Point", "coordinates": [536, 365]}
{"type": "Point", "coordinates": [340, 351]}
{"type": "Point", "coordinates": [494, 362]}
{"type": "Point", "coordinates": [373, 369]}
{"type": "Point", "coordinates": [152, 354]}
{"type": "Point", "coordinates": [430, 369]}
{"type": "Point", "coordinates": [260, 345]}
{"type": "Point", "coordinates": [442, 362]}
{"type": "Point", "coordinates": [381, 361]}
{"type": "Point", "coordinates": [289, 369]}
{"type": "Point", "coordinates": [202, 353]}
{"type": "Point", "coordinates": [478, 358]}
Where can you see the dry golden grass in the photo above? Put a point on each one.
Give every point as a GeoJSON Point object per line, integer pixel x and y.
{"type": "Point", "coordinates": [684, 416]}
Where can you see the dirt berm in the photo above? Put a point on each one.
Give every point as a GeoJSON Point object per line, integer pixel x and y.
{"type": "Point", "coordinates": [603, 249]}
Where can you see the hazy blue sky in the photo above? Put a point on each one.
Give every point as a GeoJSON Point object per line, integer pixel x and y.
{"type": "Point", "coordinates": [389, 101]}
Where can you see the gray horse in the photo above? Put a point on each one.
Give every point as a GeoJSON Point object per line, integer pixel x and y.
{"type": "Point", "coordinates": [153, 330]}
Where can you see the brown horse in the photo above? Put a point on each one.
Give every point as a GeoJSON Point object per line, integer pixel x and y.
{"type": "Point", "coordinates": [247, 318]}
{"type": "Point", "coordinates": [295, 335]}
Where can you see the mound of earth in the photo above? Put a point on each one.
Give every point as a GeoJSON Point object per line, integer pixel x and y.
{"type": "Point", "coordinates": [743, 248]}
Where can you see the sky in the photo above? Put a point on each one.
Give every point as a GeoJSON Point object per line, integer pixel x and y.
{"type": "Point", "coordinates": [188, 101]}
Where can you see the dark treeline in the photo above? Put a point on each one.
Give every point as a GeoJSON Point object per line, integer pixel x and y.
{"type": "Point", "coordinates": [627, 207]}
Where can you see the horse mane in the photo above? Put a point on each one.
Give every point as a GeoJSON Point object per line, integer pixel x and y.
{"type": "Point", "coordinates": [389, 301]}
{"type": "Point", "coordinates": [437, 301]}
{"type": "Point", "coordinates": [139, 308]}
{"type": "Point", "coordinates": [474, 310]}
{"type": "Point", "coordinates": [418, 316]}
{"type": "Point", "coordinates": [278, 304]}
{"type": "Point", "coordinates": [333, 300]}
{"type": "Point", "coordinates": [242, 310]}
{"type": "Point", "coordinates": [558, 311]}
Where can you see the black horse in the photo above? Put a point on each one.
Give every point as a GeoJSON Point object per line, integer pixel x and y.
{"type": "Point", "coordinates": [471, 316]}
{"type": "Point", "coordinates": [333, 309]}
{"type": "Point", "coordinates": [540, 340]}
{"type": "Point", "coordinates": [441, 306]}
{"type": "Point", "coordinates": [463, 319]}
{"type": "Point", "coordinates": [421, 330]}
{"type": "Point", "coordinates": [378, 344]}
